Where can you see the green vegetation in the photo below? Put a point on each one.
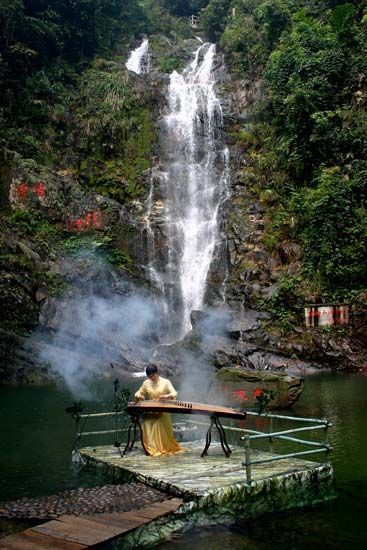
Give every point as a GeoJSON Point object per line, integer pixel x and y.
{"type": "Point", "coordinates": [306, 145]}
{"type": "Point", "coordinates": [101, 248]}
{"type": "Point", "coordinates": [68, 102]}
{"type": "Point", "coordinates": [67, 98]}
{"type": "Point", "coordinates": [114, 132]}
{"type": "Point", "coordinates": [44, 46]}
{"type": "Point", "coordinates": [286, 304]}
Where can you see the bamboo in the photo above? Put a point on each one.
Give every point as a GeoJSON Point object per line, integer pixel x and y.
{"type": "Point", "coordinates": [248, 462]}
{"type": "Point", "coordinates": [326, 437]}
{"type": "Point", "coordinates": [302, 441]}
{"type": "Point", "coordinates": [254, 434]}
{"type": "Point", "coordinates": [82, 434]}
{"type": "Point", "coordinates": [273, 435]}
{"type": "Point", "coordinates": [306, 429]}
{"type": "Point", "coordinates": [290, 455]}
{"type": "Point", "coordinates": [95, 415]}
{"type": "Point", "coordinates": [295, 418]}
{"type": "Point", "coordinates": [243, 430]}
{"type": "Point", "coordinates": [271, 440]}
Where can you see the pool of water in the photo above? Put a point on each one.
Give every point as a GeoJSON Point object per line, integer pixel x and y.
{"type": "Point", "coordinates": [340, 524]}
{"type": "Point", "coordinates": [36, 441]}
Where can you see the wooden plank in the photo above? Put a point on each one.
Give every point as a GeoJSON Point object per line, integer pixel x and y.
{"type": "Point", "coordinates": [30, 540]}
{"type": "Point", "coordinates": [151, 513]}
{"type": "Point", "coordinates": [78, 532]}
{"type": "Point", "coordinates": [114, 519]}
{"type": "Point", "coordinates": [171, 504]}
{"type": "Point", "coordinates": [160, 508]}
{"type": "Point", "coordinates": [105, 529]}
{"type": "Point", "coordinates": [59, 530]}
{"type": "Point", "coordinates": [86, 532]}
{"type": "Point", "coordinates": [130, 516]}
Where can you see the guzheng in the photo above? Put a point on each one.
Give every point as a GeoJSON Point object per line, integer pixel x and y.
{"type": "Point", "coordinates": [184, 407]}
{"type": "Point", "coordinates": [136, 410]}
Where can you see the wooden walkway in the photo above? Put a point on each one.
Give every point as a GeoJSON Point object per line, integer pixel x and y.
{"type": "Point", "coordinates": [79, 532]}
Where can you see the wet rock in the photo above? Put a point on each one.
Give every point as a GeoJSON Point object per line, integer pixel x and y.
{"type": "Point", "coordinates": [286, 388]}
{"type": "Point", "coordinates": [244, 321]}
{"type": "Point", "coordinates": [18, 361]}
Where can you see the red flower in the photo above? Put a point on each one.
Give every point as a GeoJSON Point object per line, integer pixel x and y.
{"type": "Point", "coordinates": [256, 393]}
{"type": "Point", "coordinates": [239, 395]}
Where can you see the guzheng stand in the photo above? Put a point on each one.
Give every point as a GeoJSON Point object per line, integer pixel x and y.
{"type": "Point", "coordinates": [137, 410]}
{"type": "Point", "coordinates": [133, 426]}
{"type": "Point", "coordinates": [214, 419]}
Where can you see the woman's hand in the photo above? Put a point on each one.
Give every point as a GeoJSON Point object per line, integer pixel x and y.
{"type": "Point", "coordinates": [138, 398]}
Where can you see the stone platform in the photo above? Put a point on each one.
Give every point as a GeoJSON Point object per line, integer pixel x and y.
{"type": "Point", "coordinates": [214, 488]}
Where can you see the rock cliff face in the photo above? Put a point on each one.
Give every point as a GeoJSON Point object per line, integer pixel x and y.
{"type": "Point", "coordinates": [62, 240]}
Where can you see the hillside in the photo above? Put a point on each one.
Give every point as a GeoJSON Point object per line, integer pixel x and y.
{"type": "Point", "coordinates": [79, 139]}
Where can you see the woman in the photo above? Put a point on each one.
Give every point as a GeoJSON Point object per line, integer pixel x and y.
{"type": "Point", "coordinates": [157, 427]}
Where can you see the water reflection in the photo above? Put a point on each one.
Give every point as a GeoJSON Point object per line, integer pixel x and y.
{"type": "Point", "coordinates": [37, 439]}
{"type": "Point", "coordinates": [337, 525]}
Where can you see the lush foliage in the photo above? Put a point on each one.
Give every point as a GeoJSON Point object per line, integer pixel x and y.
{"type": "Point", "coordinates": [67, 98]}
{"type": "Point", "coordinates": [183, 7]}
{"type": "Point", "coordinates": [306, 146]}
{"type": "Point", "coordinates": [114, 139]}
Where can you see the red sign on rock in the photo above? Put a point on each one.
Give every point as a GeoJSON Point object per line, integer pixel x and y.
{"type": "Point", "coordinates": [91, 220]}
{"type": "Point", "coordinates": [40, 189]}
{"type": "Point", "coordinates": [24, 189]}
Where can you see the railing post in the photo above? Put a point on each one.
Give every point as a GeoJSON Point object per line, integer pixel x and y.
{"type": "Point", "coordinates": [326, 437]}
{"type": "Point", "coordinates": [248, 458]}
{"type": "Point", "coordinates": [271, 440]}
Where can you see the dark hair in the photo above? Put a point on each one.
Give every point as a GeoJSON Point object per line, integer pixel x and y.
{"type": "Point", "coordinates": [151, 369]}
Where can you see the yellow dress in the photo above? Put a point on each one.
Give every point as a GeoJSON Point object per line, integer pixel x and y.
{"type": "Point", "coordinates": [157, 427]}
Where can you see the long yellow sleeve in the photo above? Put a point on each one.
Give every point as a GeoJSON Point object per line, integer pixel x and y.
{"type": "Point", "coordinates": [171, 393]}
{"type": "Point", "coordinates": [142, 392]}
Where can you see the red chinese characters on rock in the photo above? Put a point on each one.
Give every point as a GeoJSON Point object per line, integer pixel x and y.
{"type": "Point", "coordinates": [40, 189]}
{"type": "Point", "coordinates": [91, 220]}
{"type": "Point", "coordinates": [97, 219]}
{"type": "Point", "coordinates": [239, 395]}
{"type": "Point", "coordinates": [23, 190]}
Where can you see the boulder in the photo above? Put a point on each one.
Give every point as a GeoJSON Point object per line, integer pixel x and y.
{"type": "Point", "coordinates": [286, 388]}
{"type": "Point", "coordinates": [245, 320]}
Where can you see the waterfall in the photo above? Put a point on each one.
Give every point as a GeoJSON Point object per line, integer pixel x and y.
{"type": "Point", "coordinates": [196, 168]}
{"type": "Point", "coordinates": [139, 61]}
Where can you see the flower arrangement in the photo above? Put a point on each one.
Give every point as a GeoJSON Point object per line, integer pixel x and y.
{"type": "Point", "coordinates": [263, 397]}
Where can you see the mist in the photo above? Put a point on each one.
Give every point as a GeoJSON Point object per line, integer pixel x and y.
{"type": "Point", "coordinates": [95, 331]}
{"type": "Point", "coordinates": [197, 379]}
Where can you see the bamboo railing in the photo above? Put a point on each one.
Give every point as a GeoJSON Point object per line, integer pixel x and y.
{"type": "Point", "coordinates": [249, 436]}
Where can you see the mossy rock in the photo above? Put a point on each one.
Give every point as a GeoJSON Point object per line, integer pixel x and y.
{"type": "Point", "coordinates": [286, 388]}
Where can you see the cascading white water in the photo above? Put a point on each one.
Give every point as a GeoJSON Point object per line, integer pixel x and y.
{"type": "Point", "coordinates": [138, 61]}
{"type": "Point", "coordinates": [195, 163]}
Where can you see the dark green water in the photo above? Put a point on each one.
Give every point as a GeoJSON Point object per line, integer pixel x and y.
{"type": "Point", "coordinates": [340, 524]}
{"type": "Point", "coordinates": [36, 440]}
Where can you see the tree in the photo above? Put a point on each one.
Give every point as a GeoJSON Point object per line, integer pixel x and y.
{"type": "Point", "coordinates": [214, 17]}
{"type": "Point", "coordinates": [305, 74]}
